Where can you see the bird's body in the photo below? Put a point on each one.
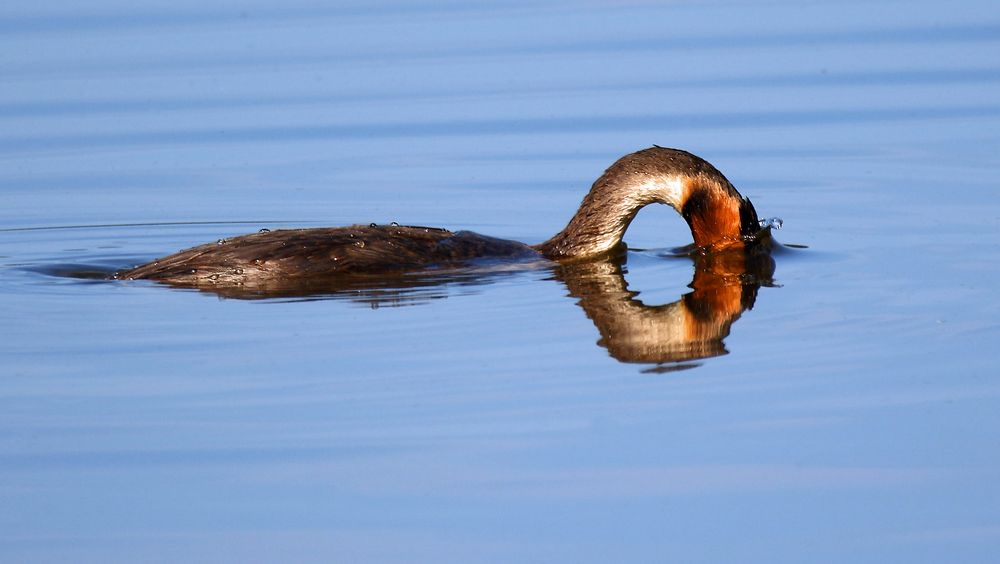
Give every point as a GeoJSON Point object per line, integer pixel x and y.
{"type": "Point", "coordinates": [719, 218]}
{"type": "Point", "coordinates": [290, 254]}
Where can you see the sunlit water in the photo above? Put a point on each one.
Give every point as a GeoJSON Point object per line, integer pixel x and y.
{"type": "Point", "coordinates": [851, 415]}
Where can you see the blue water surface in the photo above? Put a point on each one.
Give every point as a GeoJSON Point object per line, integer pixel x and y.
{"type": "Point", "coordinates": [486, 417]}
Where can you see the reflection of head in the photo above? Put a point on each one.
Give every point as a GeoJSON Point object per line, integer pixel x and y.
{"type": "Point", "coordinates": [693, 327]}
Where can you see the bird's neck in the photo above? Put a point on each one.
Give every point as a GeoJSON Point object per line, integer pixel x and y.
{"type": "Point", "coordinates": [598, 226]}
{"type": "Point", "coordinates": [719, 218]}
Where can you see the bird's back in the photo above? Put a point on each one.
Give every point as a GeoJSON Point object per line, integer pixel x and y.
{"type": "Point", "coordinates": [290, 254]}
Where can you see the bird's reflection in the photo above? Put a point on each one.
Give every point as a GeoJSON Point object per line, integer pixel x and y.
{"type": "Point", "coordinates": [693, 327]}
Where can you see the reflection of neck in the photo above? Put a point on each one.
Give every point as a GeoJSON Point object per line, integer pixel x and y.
{"type": "Point", "coordinates": [724, 285]}
{"type": "Point", "coordinates": [690, 328]}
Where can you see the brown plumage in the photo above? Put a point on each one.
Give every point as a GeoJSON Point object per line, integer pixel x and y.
{"type": "Point", "coordinates": [290, 254]}
{"type": "Point", "coordinates": [718, 216]}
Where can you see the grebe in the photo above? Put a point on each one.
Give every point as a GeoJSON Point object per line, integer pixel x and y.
{"type": "Point", "coordinates": [719, 217]}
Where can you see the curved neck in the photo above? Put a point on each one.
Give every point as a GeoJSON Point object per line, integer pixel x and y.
{"type": "Point", "coordinates": [606, 212]}
{"type": "Point", "coordinates": [716, 213]}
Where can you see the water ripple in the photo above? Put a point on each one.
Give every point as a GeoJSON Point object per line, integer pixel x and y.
{"type": "Point", "coordinates": [13, 146]}
{"type": "Point", "coordinates": [460, 51]}
{"type": "Point", "coordinates": [33, 108]}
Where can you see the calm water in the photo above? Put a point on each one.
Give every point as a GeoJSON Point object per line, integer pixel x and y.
{"type": "Point", "coordinates": [486, 417]}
